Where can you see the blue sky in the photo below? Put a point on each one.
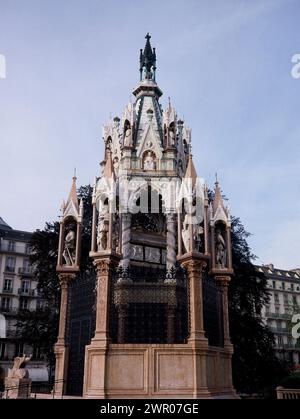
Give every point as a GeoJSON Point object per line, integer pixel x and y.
{"type": "Point", "coordinates": [226, 66]}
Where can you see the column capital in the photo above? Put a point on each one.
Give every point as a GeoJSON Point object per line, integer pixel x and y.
{"type": "Point", "coordinates": [223, 280]}
{"type": "Point", "coordinates": [104, 266]}
{"type": "Point", "coordinates": [194, 262]}
{"type": "Point", "coordinates": [65, 279]}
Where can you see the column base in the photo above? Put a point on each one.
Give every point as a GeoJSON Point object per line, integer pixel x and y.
{"type": "Point", "coordinates": [61, 367]}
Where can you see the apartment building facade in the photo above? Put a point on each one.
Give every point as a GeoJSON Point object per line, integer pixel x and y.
{"type": "Point", "coordinates": [18, 292]}
{"type": "Point", "coordinates": [284, 289]}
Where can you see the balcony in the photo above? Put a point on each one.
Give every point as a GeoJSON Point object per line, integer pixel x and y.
{"type": "Point", "coordinates": [10, 310]}
{"type": "Point", "coordinates": [27, 271]}
{"type": "Point", "coordinates": [9, 269]}
{"type": "Point", "coordinates": [279, 330]}
{"type": "Point", "coordinates": [278, 316]}
{"type": "Point", "coordinates": [7, 291]}
{"type": "Point", "coordinates": [17, 248]}
{"type": "Point", "coordinates": [26, 292]}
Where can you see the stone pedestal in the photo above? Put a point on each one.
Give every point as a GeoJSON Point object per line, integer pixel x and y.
{"type": "Point", "coordinates": [96, 354]}
{"type": "Point", "coordinates": [195, 264]}
{"type": "Point", "coordinates": [60, 349]}
{"type": "Point", "coordinates": [17, 388]}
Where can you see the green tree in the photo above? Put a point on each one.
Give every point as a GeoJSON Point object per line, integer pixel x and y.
{"type": "Point", "coordinates": [255, 366]}
{"type": "Point", "coordinates": [40, 328]}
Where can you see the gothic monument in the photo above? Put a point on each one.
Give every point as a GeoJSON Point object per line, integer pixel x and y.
{"type": "Point", "coordinates": [152, 321]}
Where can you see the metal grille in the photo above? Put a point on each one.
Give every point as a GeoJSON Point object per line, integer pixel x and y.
{"type": "Point", "coordinates": [80, 328]}
{"type": "Point", "coordinates": [213, 312]}
{"type": "Point", "coordinates": [149, 305]}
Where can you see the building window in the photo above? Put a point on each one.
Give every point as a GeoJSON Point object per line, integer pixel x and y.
{"type": "Point", "coordinates": [11, 246]}
{"type": "Point", "coordinates": [294, 300]}
{"type": "Point", "coordinates": [7, 284]}
{"type": "Point", "coordinates": [27, 249]}
{"type": "Point", "coordinates": [23, 304]}
{"type": "Point", "coordinates": [274, 285]}
{"type": "Point", "coordinates": [19, 349]}
{"type": "Point", "coordinates": [2, 350]}
{"type": "Point", "coordinates": [277, 310]}
{"type": "Point", "coordinates": [25, 287]}
{"type": "Point", "coordinates": [39, 304]}
{"type": "Point", "coordinates": [283, 285]}
{"type": "Point", "coordinates": [37, 352]}
{"type": "Point", "coordinates": [10, 264]}
{"type": "Point", "coordinates": [5, 303]}
{"type": "Point", "coordinates": [276, 298]}
{"type": "Point", "coordinates": [26, 265]}
{"type": "Point", "coordinates": [292, 287]}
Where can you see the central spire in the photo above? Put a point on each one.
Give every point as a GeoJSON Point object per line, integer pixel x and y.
{"type": "Point", "coordinates": [148, 61]}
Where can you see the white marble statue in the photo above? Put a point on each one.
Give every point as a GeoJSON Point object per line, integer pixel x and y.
{"type": "Point", "coordinates": [220, 250]}
{"type": "Point", "coordinates": [70, 248]}
{"type": "Point", "coordinates": [128, 138]}
{"type": "Point", "coordinates": [149, 163]}
{"type": "Point", "coordinates": [186, 234]}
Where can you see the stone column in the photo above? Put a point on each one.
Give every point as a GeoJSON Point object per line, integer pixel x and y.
{"type": "Point", "coordinates": [195, 267]}
{"type": "Point", "coordinates": [179, 233]}
{"type": "Point", "coordinates": [223, 282]}
{"type": "Point", "coordinates": [126, 235]}
{"type": "Point", "coordinates": [206, 239]}
{"type": "Point", "coordinates": [95, 367]}
{"type": "Point", "coordinates": [229, 248]}
{"type": "Point", "coordinates": [60, 349]}
{"type": "Point", "coordinates": [94, 229]}
{"type": "Point", "coordinates": [195, 263]}
{"type": "Point", "coordinates": [171, 241]}
{"type": "Point", "coordinates": [104, 266]}
{"type": "Point", "coordinates": [212, 245]}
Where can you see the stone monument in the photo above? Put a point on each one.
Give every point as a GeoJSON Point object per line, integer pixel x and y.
{"type": "Point", "coordinates": [17, 382]}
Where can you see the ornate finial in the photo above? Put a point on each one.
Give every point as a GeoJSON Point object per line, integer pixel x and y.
{"type": "Point", "coordinates": [148, 61]}
{"type": "Point", "coordinates": [74, 173]}
{"type": "Point", "coordinates": [217, 181]}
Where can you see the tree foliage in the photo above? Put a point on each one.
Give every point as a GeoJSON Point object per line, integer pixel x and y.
{"type": "Point", "coordinates": [255, 366]}
{"type": "Point", "coordinates": [40, 328]}
{"type": "Point", "coordinates": [254, 363]}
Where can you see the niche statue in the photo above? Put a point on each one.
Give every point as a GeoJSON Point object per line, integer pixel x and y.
{"type": "Point", "coordinates": [220, 250]}
{"type": "Point", "coordinates": [70, 247]}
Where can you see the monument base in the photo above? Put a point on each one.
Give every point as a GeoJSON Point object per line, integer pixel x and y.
{"type": "Point", "coordinates": [17, 388]}
{"type": "Point", "coordinates": [136, 371]}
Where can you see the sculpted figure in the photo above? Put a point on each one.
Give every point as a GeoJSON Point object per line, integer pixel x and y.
{"type": "Point", "coordinates": [103, 227]}
{"type": "Point", "coordinates": [69, 248]}
{"type": "Point", "coordinates": [17, 382]}
{"type": "Point", "coordinates": [128, 138]}
{"type": "Point", "coordinates": [19, 369]}
{"type": "Point", "coordinates": [172, 138]}
{"type": "Point", "coordinates": [149, 163]}
{"type": "Point", "coordinates": [186, 234]}
{"type": "Point", "coordinates": [220, 250]}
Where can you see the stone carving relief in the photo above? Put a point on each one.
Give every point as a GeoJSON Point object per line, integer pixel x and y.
{"type": "Point", "coordinates": [152, 254]}
{"type": "Point", "coordinates": [137, 252]}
